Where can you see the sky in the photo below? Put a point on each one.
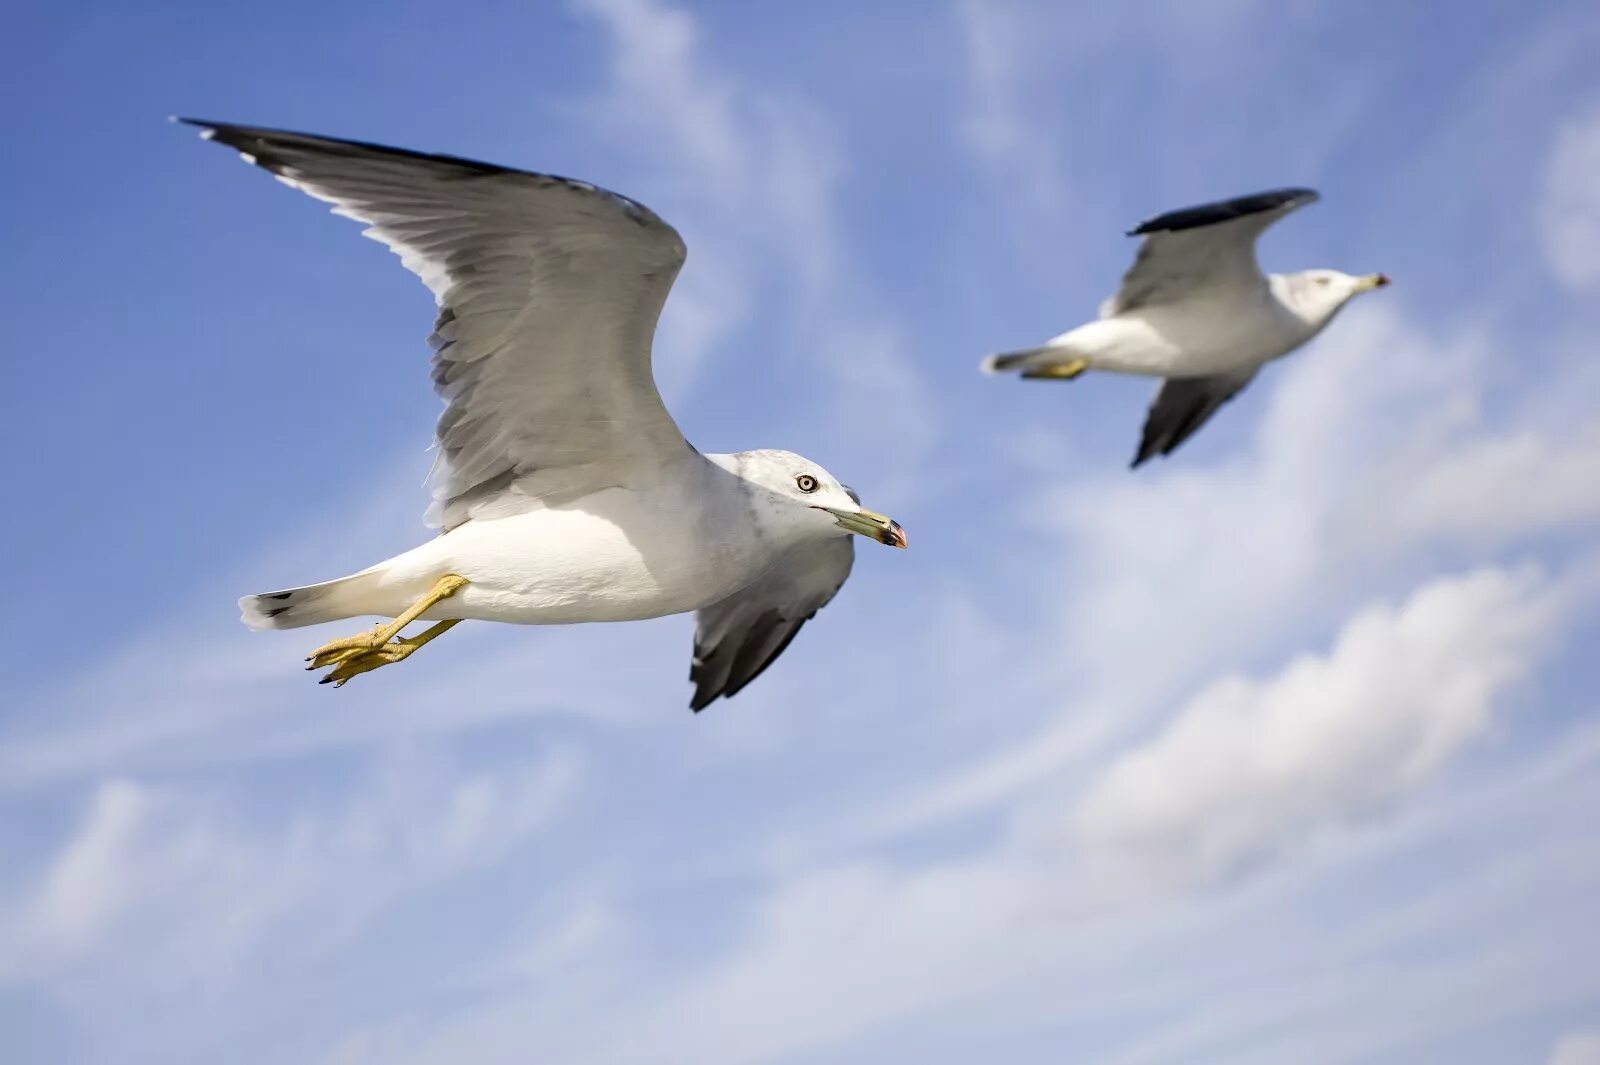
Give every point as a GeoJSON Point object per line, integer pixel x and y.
{"type": "Point", "coordinates": [1282, 749]}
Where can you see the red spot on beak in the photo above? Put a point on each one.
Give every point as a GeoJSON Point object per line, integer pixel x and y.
{"type": "Point", "coordinates": [1383, 279]}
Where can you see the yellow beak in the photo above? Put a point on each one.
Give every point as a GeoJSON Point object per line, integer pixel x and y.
{"type": "Point", "coordinates": [870, 524]}
{"type": "Point", "coordinates": [1372, 281]}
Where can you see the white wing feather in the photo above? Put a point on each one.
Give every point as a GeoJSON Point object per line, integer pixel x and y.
{"type": "Point", "coordinates": [1210, 248]}
{"type": "Point", "coordinates": [738, 638]}
{"type": "Point", "coordinates": [548, 292]}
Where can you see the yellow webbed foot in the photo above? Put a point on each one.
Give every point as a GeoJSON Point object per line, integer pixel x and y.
{"type": "Point", "coordinates": [342, 650]}
{"type": "Point", "coordinates": [364, 662]}
{"type": "Point", "coordinates": [353, 655]}
{"type": "Point", "coordinates": [1061, 371]}
{"type": "Point", "coordinates": [359, 662]}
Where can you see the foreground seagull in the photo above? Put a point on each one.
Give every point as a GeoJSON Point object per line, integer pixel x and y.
{"type": "Point", "coordinates": [1196, 310]}
{"type": "Point", "coordinates": [565, 491]}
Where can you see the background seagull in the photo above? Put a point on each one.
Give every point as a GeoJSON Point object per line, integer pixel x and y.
{"type": "Point", "coordinates": [565, 491]}
{"type": "Point", "coordinates": [1196, 310]}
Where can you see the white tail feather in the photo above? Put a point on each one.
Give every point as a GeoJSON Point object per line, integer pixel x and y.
{"type": "Point", "coordinates": [1026, 357]}
{"type": "Point", "coordinates": [291, 608]}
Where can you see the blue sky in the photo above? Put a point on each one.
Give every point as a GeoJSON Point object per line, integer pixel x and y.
{"type": "Point", "coordinates": [1283, 749]}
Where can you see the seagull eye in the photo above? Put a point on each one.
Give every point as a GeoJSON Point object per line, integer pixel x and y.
{"type": "Point", "coordinates": [806, 483]}
{"type": "Point", "coordinates": [1322, 281]}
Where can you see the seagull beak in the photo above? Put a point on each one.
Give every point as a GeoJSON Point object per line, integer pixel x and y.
{"type": "Point", "coordinates": [1372, 281]}
{"type": "Point", "coordinates": [872, 525]}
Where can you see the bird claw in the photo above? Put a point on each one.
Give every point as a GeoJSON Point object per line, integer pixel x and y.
{"type": "Point", "coordinates": [383, 645]}
{"type": "Point", "coordinates": [354, 662]}
{"type": "Point", "coordinates": [356, 655]}
{"type": "Point", "coordinates": [343, 650]}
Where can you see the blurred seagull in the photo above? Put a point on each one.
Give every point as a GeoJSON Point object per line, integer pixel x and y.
{"type": "Point", "coordinates": [1196, 310]}
{"type": "Point", "coordinates": [564, 490]}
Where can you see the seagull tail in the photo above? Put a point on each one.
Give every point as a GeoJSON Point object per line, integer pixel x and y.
{"type": "Point", "coordinates": [1026, 358]}
{"type": "Point", "coordinates": [290, 608]}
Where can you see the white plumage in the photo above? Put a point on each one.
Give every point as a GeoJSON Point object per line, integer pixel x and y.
{"type": "Point", "coordinates": [1196, 309]}
{"type": "Point", "coordinates": [564, 488]}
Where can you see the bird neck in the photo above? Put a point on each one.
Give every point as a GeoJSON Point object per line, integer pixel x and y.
{"type": "Point", "coordinates": [1304, 301]}
{"type": "Point", "coordinates": [765, 516]}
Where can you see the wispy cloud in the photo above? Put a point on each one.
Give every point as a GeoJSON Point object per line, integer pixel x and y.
{"type": "Point", "coordinates": [757, 176]}
{"type": "Point", "coordinates": [1248, 767]}
{"type": "Point", "coordinates": [839, 956]}
{"type": "Point", "coordinates": [163, 890]}
{"type": "Point", "coordinates": [1578, 1048]}
{"type": "Point", "coordinates": [1001, 55]}
{"type": "Point", "coordinates": [1569, 217]}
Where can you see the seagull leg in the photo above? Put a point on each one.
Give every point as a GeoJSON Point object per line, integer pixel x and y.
{"type": "Point", "coordinates": [397, 651]}
{"type": "Point", "coordinates": [1061, 371]}
{"type": "Point", "coordinates": [343, 650]}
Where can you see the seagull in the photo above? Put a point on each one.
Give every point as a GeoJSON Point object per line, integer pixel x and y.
{"type": "Point", "coordinates": [1196, 311]}
{"type": "Point", "coordinates": [564, 491]}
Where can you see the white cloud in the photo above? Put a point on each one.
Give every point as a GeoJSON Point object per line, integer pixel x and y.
{"type": "Point", "coordinates": [148, 859]}
{"type": "Point", "coordinates": [658, 82]}
{"type": "Point", "coordinates": [97, 873]}
{"type": "Point", "coordinates": [834, 963]}
{"type": "Point", "coordinates": [1000, 53]}
{"type": "Point", "coordinates": [1570, 214]}
{"type": "Point", "coordinates": [1487, 487]}
{"type": "Point", "coordinates": [1577, 1048]}
{"type": "Point", "coordinates": [1248, 767]}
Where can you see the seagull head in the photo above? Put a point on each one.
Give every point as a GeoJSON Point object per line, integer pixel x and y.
{"type": "Point", "coordinates": [797, 495]}
{"type": "Point", "coordinates": [1318, 294]}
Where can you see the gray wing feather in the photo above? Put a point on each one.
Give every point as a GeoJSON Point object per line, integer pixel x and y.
{"type": "Point", "coordinates": [737, 639]}
{"type": "Point", "coordinates": [1207, 248]}
{"type": "Point", "coordinates": [548, 292]}
{"type": "Point", "coordinates": [1182, 406]}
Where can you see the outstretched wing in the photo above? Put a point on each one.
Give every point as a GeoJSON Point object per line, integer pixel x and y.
{"type": "Point", "coordinates": [1182, 406]}
{"type": "Point", "coordinates": [738, 638]}
{"type": "Point", "coordinates": [1209, 248]}
{"type": "Point", "coordinates": [548, 292]}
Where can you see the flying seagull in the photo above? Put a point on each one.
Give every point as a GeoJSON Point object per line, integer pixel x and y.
{"type": "Point", "coordinates": [1195, 310]}
{"type": "Point", "coordinates": [564, 490]}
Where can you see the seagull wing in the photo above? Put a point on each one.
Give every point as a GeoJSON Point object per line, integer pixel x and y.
{"type": "Point", "coordinates": [738, 638]}
{"type": "Point", "coordinates": [1182, 406]}
{"type": "Point", "coordinates": [1209, 248]}
{"type": "Point", "coordinates": [548, 292]}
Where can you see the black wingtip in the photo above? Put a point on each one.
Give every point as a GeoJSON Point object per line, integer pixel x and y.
{"type": "Point", "coordinates": [1210, 214]}
{"type": "Point", "coordinates": [1149, 449]}
{"type": "Point", "coordinates": [209, 131]}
